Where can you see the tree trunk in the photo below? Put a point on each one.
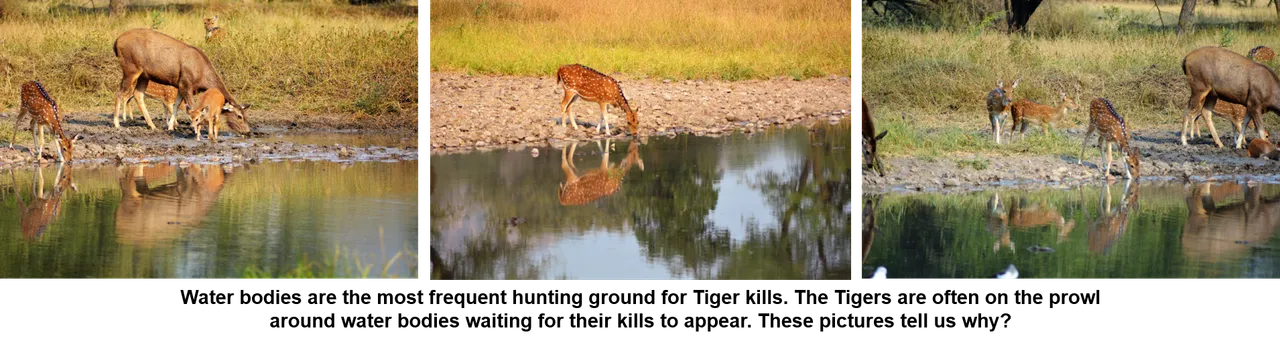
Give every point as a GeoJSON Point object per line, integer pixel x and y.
{"type": "Point", "coordinates": [1277, 9]}
{"type": "Point", "coordinates": [1187, 18]}
{"type": "Point", "coordinates": [117, 7]}
{"type": "Point", "coordinates": [1021, 13]}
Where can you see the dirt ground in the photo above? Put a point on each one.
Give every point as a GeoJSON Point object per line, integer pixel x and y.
{"type": "Point", "coordinates": [135, 142]}
{"type": "Point", "coordinates": [1163, 158]}
{"type": "Point", "coordinates": [470, 112]}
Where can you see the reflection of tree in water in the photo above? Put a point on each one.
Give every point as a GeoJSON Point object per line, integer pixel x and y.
{"type": "Point", "coordinates": [671, 205]}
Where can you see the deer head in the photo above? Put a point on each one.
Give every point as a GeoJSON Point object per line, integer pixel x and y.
{"type": "Point", "coordinates": [68, 145]}
{"type": "Point", "coordinates": [210, 23]}
{"type": "Point", "coordinates": [1132, 158]}
{"type": "Point", "coordinates": [236, 119]}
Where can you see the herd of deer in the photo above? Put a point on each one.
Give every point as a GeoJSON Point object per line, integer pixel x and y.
{"type": "Point", "coordinates": [156, 66]}
{"type": "Point", "coordinates": [1245, 86]}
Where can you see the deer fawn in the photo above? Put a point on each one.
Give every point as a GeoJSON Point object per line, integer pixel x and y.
{"type": "Point", "coordinates": [1261, 148]}
{"type": "Point", "coordinates": [1024, 111]}
{"type": "Point", "coordinates": [998, 102]}
{"type": "Point", "coordinates": [1111, 128]}
{"type": "Point", "coordinates": [583, 82]}
{"type": "Point", "coordinates": [1239, 120]}
{"type": "Point", "coordinates": [167, 95]}
{"type": "Point", "coordinates": [210, 106]}
{"type": "Point", "coordinates": [43, 111]}
{"type": "Point", "coordinates": [582, 189]}
{"type": "Point", "coordinates": [870, 159]}
{"type": "Point", "coordinates": [212, 32]}
{"type": "Point", "coordinates": [1262, 54]}
{"type": "Point", "coordinates": [43, 209]}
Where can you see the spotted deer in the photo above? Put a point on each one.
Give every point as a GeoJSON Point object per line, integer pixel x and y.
{"type": "Point", "coordinates": [44, 207]}
{"type": "Point", "coordinates": [1025, 110]}
{"type": "Point", "coordinates": [212, 32]}
{"type": "Point", "coordinates": [1111, 128]}
{"type": "Point", "coordinates": [1236, 113]}
{"type": "Point", "coordinates": [596, 184]}
{"type": "Point", "coordinates": [583, 82]}
{"type": "Point", "coordinates": [1261, 54]}
{"type": "Point", "coordinates": [1216, 74]}
{"type": "Point", "coordinates": [1261, 148]}
{"type": "Point", "coordinates": [999, 101]}
{"type": "Point", "coordinates": [1112, 222]}
{"type": "Point", "coordinates": [43, 111]}
{"type": "Point", "coordinates": [870, 159]}
{"type": "Point", "coordinates": [1219, 230]}
{"type": "Point", "coordinates": [167, 95]}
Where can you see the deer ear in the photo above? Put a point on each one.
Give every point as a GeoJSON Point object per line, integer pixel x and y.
{"type": "Point", "coordinates": [1015, 82]}
{"type": "Point", "coordinates": [77, 138]}
{"type": "Point", "coordinates": [246, 106]}
{"type": "Point", "coordinates": [882, 134]}
{"type": "Point", "coordinates": [999, 83]}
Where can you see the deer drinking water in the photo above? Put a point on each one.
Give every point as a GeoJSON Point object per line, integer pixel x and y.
{"type": "Point", "coordinates": [1025, 110]}
{"type": "Point", "coordinates": [150, 56]}
{"type": "Point", "coordinates": [870, 159]}
{"type": "Point", "coordinates": [583, 82]}
{"type": "Point", "coordinates": [43, 110]}
{"type": "Point", "coordinates": [209, 108]}
{"type": "Point", "coordinates": [998, 102]}
{"type": "Point", "coordinates": [596, 184]}
{"type": "Point", "coordinates": [1111, 128]}
{"type": "Point", "coordinates": [1214, 73]}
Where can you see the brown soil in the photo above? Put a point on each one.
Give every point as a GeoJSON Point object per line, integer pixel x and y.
{"type": "Point", "coordinates": [478, 111]}
{"type": "Point", "coordinates": [134, 141]}
{"type": "Point", "coordinates": [1163, 158]}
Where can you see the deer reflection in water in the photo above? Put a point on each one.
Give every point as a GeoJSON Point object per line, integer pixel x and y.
{"type": "Point", "coordinates": [595, 184]}
{"type": "Point", "coordinates": [1215, 231]}
{"type": "Point", "coordinates": [1111, 223]}
{"type": "Point", "coordinates": [148, 214]}
{"type": "Point", "coordinates": [869, 229]}
{"type": "Point", "coordinates": [1023, 215]}
{"type": "Point", "coordinates": [43, 208]}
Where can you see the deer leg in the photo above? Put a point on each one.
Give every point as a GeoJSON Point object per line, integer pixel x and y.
{"type": "Point", "coordinates": [171, 110]}
{"type": "Point", "coordinates": [127, 84]}
{"type": "Point", "coordinates": [995, 125]}
{"type": "Point", "coordinates": [564, 106]}
{"type": "Point", "coordinates": [1256, 117]}
{"type": "Point", "coordinates": [1239, 133]}
{"type": "Point", "coordinates": [39, 141]}
{"type": "Point", "coordinates": [604, 122]}
{"type": "Point", "coordinates": [1194, 105]}
{"type": "Point", "coordinates": [1107, 173]}
{"type": "Point", "coordinates": [1083, 144]}
{"type": "Point", "coordinates": [140, 90]}
{"type": "Point", "coordinates": [1207, 110]}
{"type": "Point", "coordinates": [22, 112]}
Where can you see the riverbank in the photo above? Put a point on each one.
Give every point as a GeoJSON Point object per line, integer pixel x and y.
{"type": "Point", "coordinates": [469, 112]}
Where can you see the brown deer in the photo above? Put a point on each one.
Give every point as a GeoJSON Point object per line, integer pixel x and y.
{"type": "Point", "coordinates": [1111, 128]}
{"type": "Point", "coordinates": [1111, 223]}
{"type": "Point", "coordinates": [1214, 73]}
{"type": "Point", "coordinates": [44, 208]}
{"type": "Point", "coordinates": [596, 184]}
{"type": "Point", "coordinates": [1261, 54]}
{"type": "Point", "coordinates": [1261, 148]}
{"type": "Point", "coordinates": [1236, 113]}
{"type": "Point", "coordinates": [209, 108]}
{"type": "Point", "coordinates": [150, 56]}
{"type": "Point", "coordinates": [1025, 110]}
{"type": "Point", "coordinates": [157, 213]}
{"type": "Point", "coordinates": [167, 95]}
{"type": "Point", "coordinates": [870, 159]}
{"type": "Point", "coordinates": [1216, 230]}
{"type": "Point", "coordinates": [998, 102]}
{"type": "Point", "coordinates": [43, 110]}
{"type": "Point", "coordinates": [583, 82]}
{"type": "Point", "coordinates": [212, 32]}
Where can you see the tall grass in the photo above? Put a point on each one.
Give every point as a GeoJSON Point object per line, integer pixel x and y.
{"type": "Point", "coordinates": [304, 58]}
{"type": "Point", "coordinates": [921, 81]}
{"type": "Point", "coordinates": [720, 39]}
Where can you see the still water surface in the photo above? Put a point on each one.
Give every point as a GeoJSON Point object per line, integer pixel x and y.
{"type": "Point", "coordinates": [205, 221]}
{"type": "Point", "coordinates": [1221, 229]}
{"type": "Point", "coordinates": [773, 205]}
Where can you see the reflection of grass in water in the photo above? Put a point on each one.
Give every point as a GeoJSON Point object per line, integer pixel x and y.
{"type": "Point", "coordinates": [343, 263]}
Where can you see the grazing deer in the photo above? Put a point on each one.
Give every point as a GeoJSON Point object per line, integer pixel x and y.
{"type": "Point", "coordinates": [43, 110]}
{"type": "Point", "coordinates": [1261, 54]}
{"type": "Point", "coordinates": [998, 102]}
{"type": "Point", "coordinates": [1261, 148]}
{"type": "Point", "coordinates": [1236, 113]}
{"type": "Point", "coordinates": [870, 159]}
{"type": "Point", "coordinates": [43, 209]}
{"type": "Point", "coordinates": [1224, 231]}
{"type": "Point", "coordinates": [212, 32]}
{"type": "Point", "coordinates": [150, 56]}
{"type": "Point", "coordinates": [167, 95]}
{"type": "Point", "coordinates": [583, 82]}
{"type": "Point", "coordinates": [1214, 73]}
{"type": "Point", "coordinates": [1025, 110]}
{"type": "Point", "coordinates": [150, 213]}
{"type": "Point", "coordinates": [1111, 128]}
{"type": "Point", "coordinates": [1111, 224]}
{"type": "Point", "coordinates": [209, 108]}
{"type": "Point", "coordinates": [582, 189]}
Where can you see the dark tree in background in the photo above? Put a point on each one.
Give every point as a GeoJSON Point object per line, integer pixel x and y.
{"type": "Point", "coordinates": [1020, 12]}
{"type": "Point", "coordinates": [1187, 19]}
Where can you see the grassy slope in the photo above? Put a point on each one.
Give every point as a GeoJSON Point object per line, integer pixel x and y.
{"type": "Point", "coordinates": [928, 87]}
{"type": "Point", "coordinates": [723, 39]}
{"type": "Point", "coordinates": [289, 57]}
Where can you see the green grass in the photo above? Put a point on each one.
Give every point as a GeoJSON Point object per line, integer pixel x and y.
{"type": "Point", "coordinates": [927, 86]}
{"type": "Point", "coordinates": [728, 40]}
{"type": "Point", "coordinates": [295, 57]}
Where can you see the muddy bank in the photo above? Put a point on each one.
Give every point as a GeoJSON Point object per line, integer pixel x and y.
{"type": "Point", "coordinates": [1163, 159]}
{"type": "Point", "coordinates": [276, 137]}
{"type": "Point", "coordinates": [477, 111]}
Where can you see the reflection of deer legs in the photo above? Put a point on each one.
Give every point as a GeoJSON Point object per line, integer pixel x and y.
{"type": "Point", "coordinates": [566, 163]}
{"type": "Point", "coordinates": [604, 160]}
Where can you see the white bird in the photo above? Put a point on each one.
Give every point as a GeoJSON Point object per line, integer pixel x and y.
{"type": "Point", "coordinates": [1010, 273]}
{"type": "Point", "coordinates": [880, 279]}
